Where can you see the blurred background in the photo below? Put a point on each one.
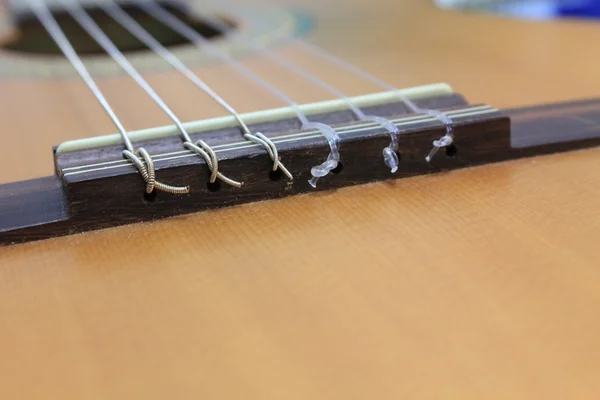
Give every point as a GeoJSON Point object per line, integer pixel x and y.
{"type": "Point", "coordinates": [533, 9]}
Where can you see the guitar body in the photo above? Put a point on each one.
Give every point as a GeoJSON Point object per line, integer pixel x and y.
{"type": "Point", "coordinates": [477, 283]}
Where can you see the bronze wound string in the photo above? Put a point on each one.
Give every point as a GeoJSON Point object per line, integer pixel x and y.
{"type": "Point", "coordinates": [140, 158]}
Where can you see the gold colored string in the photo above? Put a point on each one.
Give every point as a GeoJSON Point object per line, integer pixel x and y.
{"type": "Point", "coordinates": [88, 24]}
{"type": "Point", "coordinates": [145, 167]}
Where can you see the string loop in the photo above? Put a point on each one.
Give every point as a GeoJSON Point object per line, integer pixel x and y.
{"type": "Point", "coordinates": [210, 157]}
{"type": "Point", "coordinates": [444, 141]}
{"type": "Point", "coordinates": [268, 144]}
{"type": "Point", "coordinates": [390, 156]}
{"type": "Point", "coordinates": [333, 158]}
{"type": "Point", "coordinates": [147, 170]}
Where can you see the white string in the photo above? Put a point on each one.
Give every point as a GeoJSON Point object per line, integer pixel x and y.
{"type": "Point", "coordinates": [146, 168]}
{"type": "Point", "coordinates": [87, 23]}
{"type": "Point", "coordinates": [446, 140]}
{"type": "Point", "coordinates": [170, 20]}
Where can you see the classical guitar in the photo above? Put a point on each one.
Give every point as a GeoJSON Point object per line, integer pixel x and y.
{"type": "Point", "coordinates": [242, 166]}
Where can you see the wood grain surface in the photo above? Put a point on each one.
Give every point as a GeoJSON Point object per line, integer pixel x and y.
{"type": "Point", "coordinates": [479, 283]}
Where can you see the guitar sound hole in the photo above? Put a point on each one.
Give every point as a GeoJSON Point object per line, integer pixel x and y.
{"type": "Point", "coordinates": [32, 38]}
{"type": "Point", "coordinates": [451, 150]}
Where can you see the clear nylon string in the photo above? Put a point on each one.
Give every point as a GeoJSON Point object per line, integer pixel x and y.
{"type": "Point", "coordinates": [146, 168]}
{"type": "Point", "coordinates": [446, 120]}
{"type": "Point", "coordinates": [170, 20]}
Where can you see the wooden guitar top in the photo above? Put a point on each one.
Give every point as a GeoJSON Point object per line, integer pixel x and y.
{"type": "Point", "coordinates": [477, 283]}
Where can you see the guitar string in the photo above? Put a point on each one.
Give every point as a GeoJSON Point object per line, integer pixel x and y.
{"type": "Point", "coordinates": [121, 17]}
{"type": "Point", "coordinates": [444, 141]}
{"type": "Point", "coordinates": [78, 12]}
{"type": "Point", "coordinates": [390, 152]}
{"type": "Point", "coordinates": [471, 111]}
{"type": "Point", "coordinates": [140, 158]}
{"type": "Point", "coordinates": [167, 18]}
{"type": "Point", "coordinates": [390, 155]}
{"type": "Point", "coordinates": [295, 138]}
{"type": "Point", "coordinates": [118, 14]}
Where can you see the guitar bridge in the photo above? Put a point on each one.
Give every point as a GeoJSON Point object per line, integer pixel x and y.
{"type": "Point", "coordinates": [97, 187]}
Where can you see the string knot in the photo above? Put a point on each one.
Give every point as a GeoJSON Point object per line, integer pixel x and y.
{"type": "Point", "coordinates": [389, 153]}
{"type": "Point", "coordinates": [444, 141]}
{"type": "Point", "coordinates": [148, 172]}
{"type": "Point", "coordinates": [210, 157]}
{"type": "Point", "coordinates": [270, 147]}
{"type": "Point", "coordinates": [333, 158]}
